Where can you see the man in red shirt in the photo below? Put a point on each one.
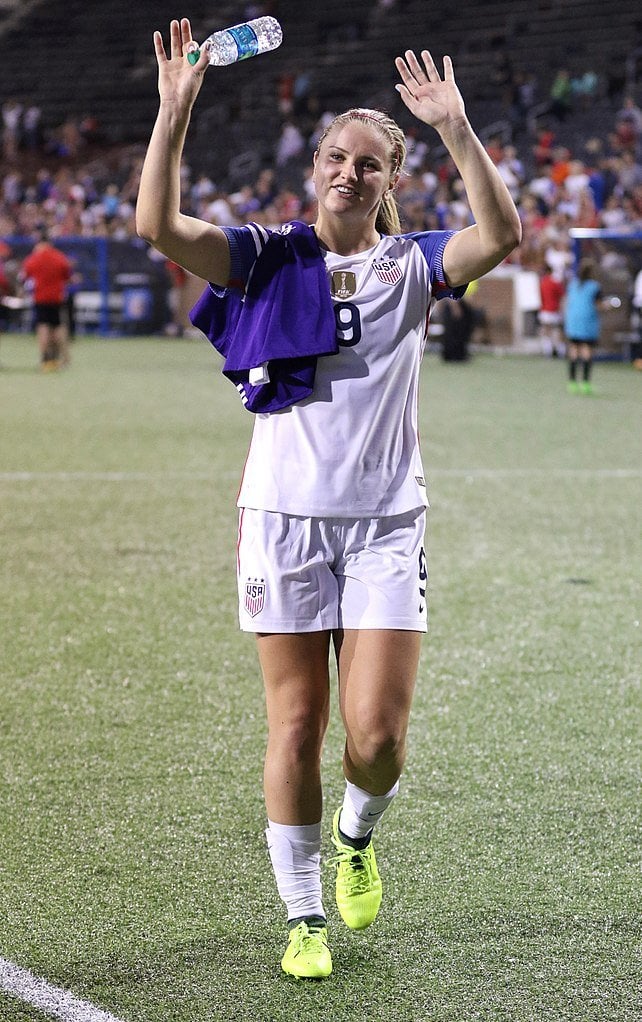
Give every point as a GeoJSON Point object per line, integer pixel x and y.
{"type": "Point", "coordinates": [5, 286]}
{"type": "Point", "coordinates": [49, 270]}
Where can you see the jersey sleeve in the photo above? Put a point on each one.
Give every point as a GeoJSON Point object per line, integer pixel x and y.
{"type": "Point", "coordinates": [432, 245]}
{"type": "Point", "coordinates": [246, 244]}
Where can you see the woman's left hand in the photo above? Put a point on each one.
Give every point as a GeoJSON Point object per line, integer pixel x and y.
{"type": "Point", "coordinates": [433, 101]}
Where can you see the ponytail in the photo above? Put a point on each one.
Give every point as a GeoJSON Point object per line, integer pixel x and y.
{"type": "Point", "coordinates": [388, 221]}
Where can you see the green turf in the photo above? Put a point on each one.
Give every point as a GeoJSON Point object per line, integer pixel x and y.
{"type": "Point", "coordinates": [132, 865]}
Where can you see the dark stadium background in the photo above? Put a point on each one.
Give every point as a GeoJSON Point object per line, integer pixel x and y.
{"type": "Point", "coordinates": [94, 64]}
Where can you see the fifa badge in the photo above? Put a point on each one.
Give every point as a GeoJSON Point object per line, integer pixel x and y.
{"type": "Point", "coordinates": [344, 284]}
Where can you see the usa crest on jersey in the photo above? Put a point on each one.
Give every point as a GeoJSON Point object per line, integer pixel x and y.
{"type": "Point", "coordinates": [388, 271]}
{"type": "Point", "coordinates": [254, 596]}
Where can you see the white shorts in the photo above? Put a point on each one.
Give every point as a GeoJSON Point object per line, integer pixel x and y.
{"type": "Point", "coordinates": [549, 318]}
{"type": "Point", "coordinates": [317, 574]}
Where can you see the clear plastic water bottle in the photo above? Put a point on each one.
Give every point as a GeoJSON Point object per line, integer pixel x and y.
{"type": "Point", "coordinates": [240, 42]}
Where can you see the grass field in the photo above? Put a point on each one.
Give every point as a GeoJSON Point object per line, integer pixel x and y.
{"type": "Point", "coordinates": [132, 865]}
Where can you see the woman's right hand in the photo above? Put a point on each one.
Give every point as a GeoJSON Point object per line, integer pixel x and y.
{"type": "Point", "coordinates": [195, 244]}
{"type": "Point", "coordinates": [179, 81]}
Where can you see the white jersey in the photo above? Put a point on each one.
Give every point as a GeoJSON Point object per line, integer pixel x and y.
{"type": "Point", "coordinates": [351, 449]}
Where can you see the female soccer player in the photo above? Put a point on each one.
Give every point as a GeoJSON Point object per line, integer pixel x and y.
{"type": "Point", "coordinates": [333, 499]}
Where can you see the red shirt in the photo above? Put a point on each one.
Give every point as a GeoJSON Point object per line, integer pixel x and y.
{"type": "Point", "coordinates": [176, 272]}
{"type": "Point", "coordinates": [50, 271]}
{"type": "Point", "coordinates": [552, 292]}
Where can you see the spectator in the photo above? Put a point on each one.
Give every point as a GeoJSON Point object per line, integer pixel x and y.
{"type": "Point", "coordinates": [543, 147]}
{"type": "Point", "coordinates": [32, 133]}
{"type": "Point", "coordinates": [89, 129]}
{"type": "Point", "coordinates": [628, 126]}
{"type": "Point", "coordinates": [457, 320]}
{"type": "Point", "coordinates": [202, 192]}
{"type": "Point", "coordinates": [285, 93]}
{"type": "Point", "coordinates": [49, 271]}
{"type": "Point", "coordinates": [584, 89]}
{"type": "Point", "coordinates": [597, 179]}
{"type": "Point", "coordinates": [495, 148]}
{"type": "Point", "coordinates": [629, 172]}
{"type": "Point", "coordinates": [290, 143]}
{"type": "Point", "coordinates": [110, 202]}
{"type": "Point", "coordinates": [416, 148]}
{"type": "Point", "coordinates": [552, 292]}
{"type": "Point", "coordinates": [511, 170]}
{"type": "Point", "coordinates": [561, 95]}
{"type": "Point", "coordinates": [533, 226]}
{"type": "Point", "coordinates": [219, 210]}
{"type": "Point", "coordinates": [12, 126]}
{"type": "Point", "coordinates": [558, 255]}
{"type": "Point", "coordinates": [5, 285]}
{"type": "Point", "coordinates": [523, 100]}
{"type": "Point", "coordinates": [13, 188]}
{"type": "Point", "coordinates": [178, 280]}
{"type": "Point", "coordinates": [70, 139]}
{"type": "Point", "coordinates": [582, 326]}
{"type": "Point", "coordinates": [636, 301]}
{"type": "Point", "coordinates": [502, 76]}
{"type": "Point", "coordinates": [586, 214]}
{"type": "Point", "coordinates": [265, 188]}
{"type": "Point", "coordinates": [561, 166]}
{"type": "Point", "coordinates": [544, 188]}
{"type": "Point", "coordinates": [577, 180]}
{"type": "Point", "coordinates": [244, 203]}
{"type": "Point", "coordinates": [301, 90]}
{"type": "Point", "coordinates": [44, 185]}
{"type": "Point", "coordinates": [615, 76]}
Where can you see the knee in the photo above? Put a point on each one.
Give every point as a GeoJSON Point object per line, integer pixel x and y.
{"type": "Point", "coordinates": [300, 733]}
{"type": "Point", "coordinates": [375, 741]}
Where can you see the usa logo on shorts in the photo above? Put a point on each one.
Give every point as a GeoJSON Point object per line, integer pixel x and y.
{"type": "Point", "coordinates": [388, 270]}
{"type": "Point", "coordinates": [254, 596]}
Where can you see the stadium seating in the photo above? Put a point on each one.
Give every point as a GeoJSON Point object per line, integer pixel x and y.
{"type": "Point", "coordinates": [99, 60]}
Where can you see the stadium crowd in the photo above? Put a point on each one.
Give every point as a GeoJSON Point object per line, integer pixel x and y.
{"type": "Point", "coordinates": [84, 192]}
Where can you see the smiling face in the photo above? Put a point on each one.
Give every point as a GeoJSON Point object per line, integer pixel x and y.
{"type": "Point", "coordinates": [353, 169]}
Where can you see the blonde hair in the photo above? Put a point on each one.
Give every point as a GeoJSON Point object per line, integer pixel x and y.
{"type": "Point", "coordinates": [387, 221]}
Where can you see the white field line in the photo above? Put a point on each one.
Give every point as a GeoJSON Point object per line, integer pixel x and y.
{"type": "Point", "coordinates": [105, 477]}
{"type": "Point", "coordinates": [539, 473]}
{"type": "Point", "coordinates": [464, 473]}
{"type": "Point", "coordinates": [30, 989]}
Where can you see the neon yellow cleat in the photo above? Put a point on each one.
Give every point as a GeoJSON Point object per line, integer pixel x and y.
{"type": "Point", "coordinates": [358, 888]}
{"type": "Point", "coordinates": [307, 955]}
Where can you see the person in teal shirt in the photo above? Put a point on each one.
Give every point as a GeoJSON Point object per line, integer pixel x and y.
{"type": "Point", "coordinates": [582, 325]}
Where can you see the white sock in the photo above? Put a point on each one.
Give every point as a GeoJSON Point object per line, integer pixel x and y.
{"type": "Point", "coordinates": [296, 860]}
{"type": "Point", "coordinates": [361, 810]}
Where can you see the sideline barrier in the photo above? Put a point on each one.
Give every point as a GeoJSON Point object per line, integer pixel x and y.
{"type": "Point", "coordinates": [118, 287]}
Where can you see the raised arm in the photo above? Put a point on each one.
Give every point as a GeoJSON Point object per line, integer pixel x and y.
{"type": "Point", "coordinates": [198, 246]}
{"type": "Point", "coordinates": [497, 230]}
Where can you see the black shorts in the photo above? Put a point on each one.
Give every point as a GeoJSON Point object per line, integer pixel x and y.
{"type": "Point", "coordinates": [591, 341]}
{"type": "Point", "coordinates": [49, 314]}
